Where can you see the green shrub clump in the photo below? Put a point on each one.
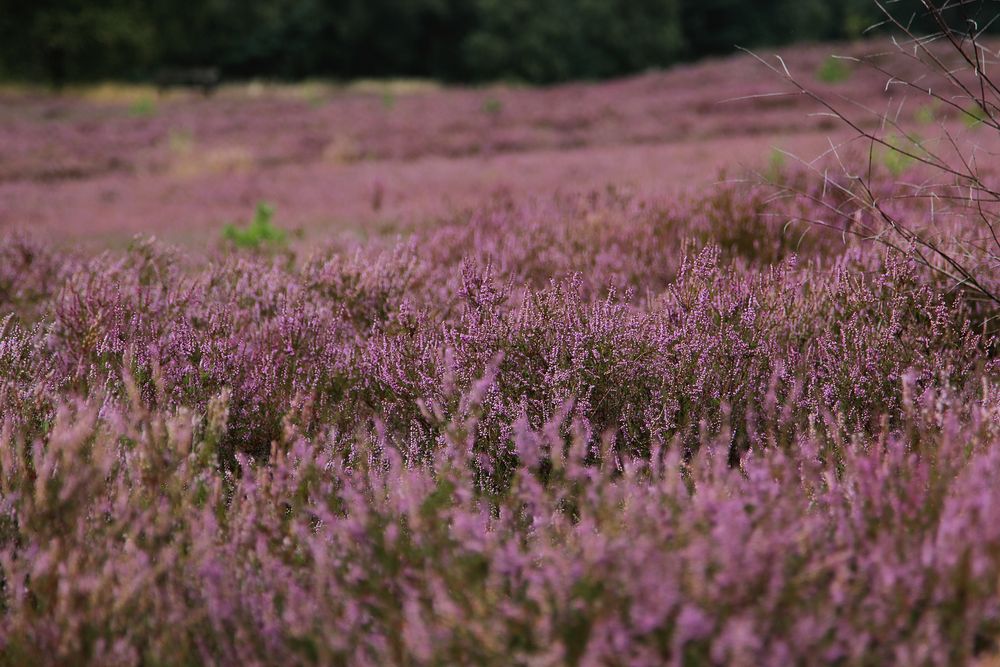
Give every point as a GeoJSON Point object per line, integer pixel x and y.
{"type": "Point", "coordinates": [259, 233]}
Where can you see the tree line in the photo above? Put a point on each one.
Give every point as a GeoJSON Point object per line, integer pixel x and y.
{"type": "Point", "coordinates": [536, 41]}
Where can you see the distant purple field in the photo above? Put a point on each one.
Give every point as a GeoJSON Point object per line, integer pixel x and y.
{"type": "Point", "coordinates": [588, 427]}
{"type": "Point", "coordinates": [94, 170]}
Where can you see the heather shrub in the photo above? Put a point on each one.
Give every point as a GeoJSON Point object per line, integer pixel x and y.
{"type": "Point", "coordinates": [27, 379]}
{"type": "Point", "coordinates": [581, 430]}
{"type": "Point", "coordinates": [604, 236]}
{"type": "Point", "coordinates": [369, 289]}
{"type": "Point", "coordinates": [748, 223]}
{"type": "Point", "coordinates": [327, 555]}
{"type": "Point", "coordinates": [383, 336]}
{"type": "Point", "coordinates": [29, 274]}
{"type": "Point", "coordinates": [613, 237]}
{"type": "Point", "coordinates": [721, 348]}
{"type": "Point", "coordinates": [945, 68]}
{"type": "Point", "coordinates": [590, 428]}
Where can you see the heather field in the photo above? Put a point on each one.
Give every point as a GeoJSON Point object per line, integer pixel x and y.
{"type": "Point", "coordinates": [102, 164]}
{"type": "Point", "coordinates": [595, 374]}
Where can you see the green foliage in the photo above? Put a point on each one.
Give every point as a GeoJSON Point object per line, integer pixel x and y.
{"type": "Point", "coordinates": [469, 40]}
{"type": "Point", "coordinates": [898, 156]}
{"type": "Point", "coordinates": [974, 116]}
{"type": "Point", "coordinates": [717, 26]}
{"type": "Point", "coordinates": [142, 108]}
{"type": "Point", "coordinates": [492, 106]}
{"type": "Point", "coordinates": [181, 141]}
{"type": "Point", "coordinates": [68, 40]}
{"type": "Point", "coordinates": [833, 70]}
{"type": "Point", "coordinates": [925, 114]}
{"type": "Point", "coordinates": [775, 166]}
{"type": "Point", "coordinates": [259, 233]}
{"type": "Point", "coordinates": [855, 24]}
{"type": "Point", "coordinates": [554, 40]}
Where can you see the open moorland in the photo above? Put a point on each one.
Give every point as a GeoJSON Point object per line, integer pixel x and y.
{"type": "Point", "coordinates": [596, 374]}
{"type": "Point", "coordinates": [106, 163]}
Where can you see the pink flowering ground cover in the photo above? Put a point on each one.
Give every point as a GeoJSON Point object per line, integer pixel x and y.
{"type": "Point", "coordinates": [593, 426]}
{"type": "Point", "coordinates": [97, 167]}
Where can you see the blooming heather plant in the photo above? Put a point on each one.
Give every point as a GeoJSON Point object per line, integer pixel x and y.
{"type": "Point", "coordinates": [124, 543]}
{"type": "Point", "coordinates": [584, 430]}
{"type": "Point", "coordinates": [947, 70]}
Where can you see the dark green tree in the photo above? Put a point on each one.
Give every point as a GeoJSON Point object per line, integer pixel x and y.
{"type": "Point", "coordinates": [553, 40]}
{"type": "Point", "coordinates": [61, 40]}
{"type": "Point", "coordinates": [459, 40]}
{"type": "Point", "coordinates": [718, 26]}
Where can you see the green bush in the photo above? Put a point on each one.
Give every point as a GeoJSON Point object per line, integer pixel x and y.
{"type": "Point", "coordinates": [142, 108]}
{"type": "Point", "coordinates": [925, 114]}
{"type": "Point", "coordinates": [898, 155]}
{"type": "Point", "coordinates": [974, 116]}
{"type": "Point", "coordinates": [833, 70]}
{"type": "Point", "coordinates": [260, 232]}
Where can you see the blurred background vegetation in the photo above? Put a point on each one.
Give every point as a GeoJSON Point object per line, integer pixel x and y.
{"type": "Point", "coordinates": [536, 41]}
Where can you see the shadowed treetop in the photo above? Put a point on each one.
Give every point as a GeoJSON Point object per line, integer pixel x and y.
{"type": "Point", "coordinates": [537, 41]}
